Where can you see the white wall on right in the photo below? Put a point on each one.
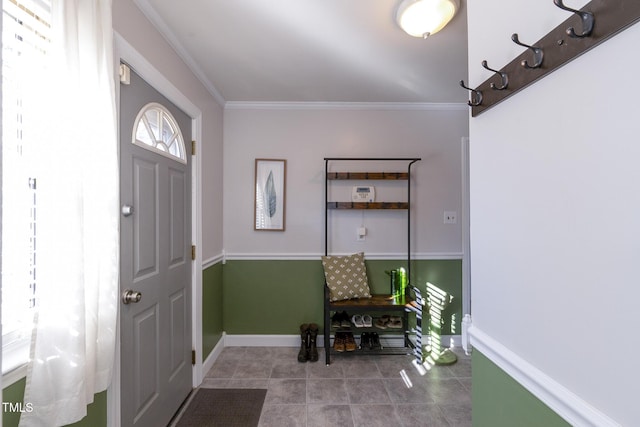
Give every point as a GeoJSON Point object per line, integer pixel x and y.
{"type": "Point", "coordinates": [555, 209]}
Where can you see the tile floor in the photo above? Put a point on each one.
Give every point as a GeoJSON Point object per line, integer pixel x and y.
{"type": "Point", "coordinates": [352, 391]}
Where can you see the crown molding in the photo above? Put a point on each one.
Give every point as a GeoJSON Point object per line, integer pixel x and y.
{"type": "Point", "coordinates": [382, 106]}
{"type": "Point", "coordinates": [149, 12]}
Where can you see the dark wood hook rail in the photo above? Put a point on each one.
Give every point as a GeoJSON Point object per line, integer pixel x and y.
{"type": "Point", "coordinates": [559, 46]}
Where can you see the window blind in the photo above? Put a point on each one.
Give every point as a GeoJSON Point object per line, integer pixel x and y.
{"type": "Point", "coordinates": [25, 40]}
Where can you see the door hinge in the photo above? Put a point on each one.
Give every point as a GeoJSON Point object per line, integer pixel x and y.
{"type": "Point", "coordinates": [193, 357]}
{"type": "Point", "coordinates": [193, 252]}
{"type": "Point", "coordinates": [193, 148]}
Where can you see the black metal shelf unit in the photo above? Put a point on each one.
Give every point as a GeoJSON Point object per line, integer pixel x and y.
{"type": "Point", "coordinates": [378, 303]}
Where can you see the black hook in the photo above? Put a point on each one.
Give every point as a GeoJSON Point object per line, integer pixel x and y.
{"type": "Point", "coordinates": [587, 20]}
{"type": "Point", "coordinates": [503, 78]}
{"type": "Point", "coordinates": [474, 94]}
{"type": "Point", "coordinates": [538, 54]}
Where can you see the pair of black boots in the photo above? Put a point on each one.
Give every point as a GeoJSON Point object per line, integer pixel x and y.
{"type": "Point", "coordinates": [308, 348]}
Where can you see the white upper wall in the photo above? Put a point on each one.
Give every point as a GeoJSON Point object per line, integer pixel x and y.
{"type": "Point", "coordinates": [138, 32]}
{"type": "Point", "coordinates": [555, 216]}
{"type": "Point", "coordinates": [305, 136]}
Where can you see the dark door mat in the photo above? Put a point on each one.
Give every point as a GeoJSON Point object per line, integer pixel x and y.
{"type": "Point", "coordinates": [223, 407]}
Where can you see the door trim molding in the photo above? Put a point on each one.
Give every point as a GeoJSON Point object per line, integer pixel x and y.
{"type": "Point", "coordinates": [124, 51]}
{"type": "Point", "coordinates": [466, 228]}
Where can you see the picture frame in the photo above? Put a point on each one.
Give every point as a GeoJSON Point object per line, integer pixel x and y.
{"type": "Point", "coordinates": [270, 194]}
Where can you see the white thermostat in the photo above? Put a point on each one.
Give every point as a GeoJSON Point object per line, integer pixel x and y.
{"type": "Point", "coordinates": [363, 193]}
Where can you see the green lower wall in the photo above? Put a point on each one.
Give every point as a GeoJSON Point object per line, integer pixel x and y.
{"type": "Point", "coordinates": [96, 412]}
{"type": "Point", "coordinates": [271, 297]}
{"type": "Point", "coordinates": [212, 327]}
{"type": "Point", "coordinates": [276, 296]}
{"type": "Point", "coordinates": [500, 401]}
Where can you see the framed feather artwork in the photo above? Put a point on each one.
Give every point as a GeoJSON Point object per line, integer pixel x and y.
{"type": "Point", "coordinates": [270, 194]}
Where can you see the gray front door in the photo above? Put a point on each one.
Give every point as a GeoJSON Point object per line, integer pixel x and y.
{"type": "Point", "coordinates": [155, 226]}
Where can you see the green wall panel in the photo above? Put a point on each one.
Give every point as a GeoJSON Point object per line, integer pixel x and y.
{"type": "Point", "coordinates": [275, 297]}
{"type": "Point", "coordinates": [96, 412]}
{"type": "Point", "coordinates": [13, 394]}
{"type": "Point", "coordinates": [500, 401]}
{"type": "Point", "coordinates": [211, 308]}
{"type": "Point", "coordinates": [271, 297]}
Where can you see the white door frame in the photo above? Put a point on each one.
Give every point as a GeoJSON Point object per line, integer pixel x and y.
{"type": "Point", "coordinates": [466, 230]}
{"type": "Point", "coordinates": [127, 53]}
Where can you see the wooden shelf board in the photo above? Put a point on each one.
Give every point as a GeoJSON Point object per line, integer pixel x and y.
{"type": "Point", "coordinates": [376, 302]}
{"type": "Point", "coordinates": [368, 175]}
{"type": "Point", "coordinates": [367, 205]}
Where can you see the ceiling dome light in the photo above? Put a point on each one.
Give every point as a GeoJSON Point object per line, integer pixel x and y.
{"type": "Point", "coordinates": [422, 18]}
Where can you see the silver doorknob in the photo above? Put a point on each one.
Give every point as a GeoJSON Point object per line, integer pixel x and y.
{"type": "Point", "coordinates": [130, 296]}
{"type": "Point", "coordinates": [127, 210]}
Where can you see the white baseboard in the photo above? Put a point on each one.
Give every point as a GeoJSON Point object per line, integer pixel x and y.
{"type": "Point", "coordinates": [213, 356]}
{"type": "Point", "coordinates": [294, 340]}
{"type": "Point", "coordinates": [262, 340]}
{"type": "Point", "coordinates": [561, 400]}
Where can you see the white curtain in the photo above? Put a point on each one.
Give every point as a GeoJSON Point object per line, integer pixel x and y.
{"type": "Point", "coordinates": [73, 345]}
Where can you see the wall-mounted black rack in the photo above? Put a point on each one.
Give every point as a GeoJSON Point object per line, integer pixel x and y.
{"type": "Point", "coordinates": [596, 22]}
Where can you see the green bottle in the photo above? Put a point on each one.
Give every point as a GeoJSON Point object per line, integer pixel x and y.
{"type": "Point", "coordinates": [395, 283]}
{"type": "Point", "coordinates": [403, 281]}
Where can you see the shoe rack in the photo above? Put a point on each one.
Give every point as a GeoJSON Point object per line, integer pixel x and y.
{"type": "Point", "coordinates": [379, 307]}
{"type": "Point", "coordinates": [365, 339]}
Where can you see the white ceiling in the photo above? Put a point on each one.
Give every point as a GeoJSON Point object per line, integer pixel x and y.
{"type": "Point", "coordinates": [313, 50]}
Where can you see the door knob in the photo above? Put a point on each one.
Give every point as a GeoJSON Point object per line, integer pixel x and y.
{"type": "Point", "coordinates": [127, 210]}
{"type": "Point", "coordinates": [130, 296]}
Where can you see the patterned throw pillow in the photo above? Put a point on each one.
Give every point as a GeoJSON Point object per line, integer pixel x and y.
{"type": "Point", "coordinates": [346, 277]}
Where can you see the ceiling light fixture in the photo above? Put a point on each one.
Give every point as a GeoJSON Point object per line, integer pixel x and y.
{"type": "Point", "coordinates": [423, 18]}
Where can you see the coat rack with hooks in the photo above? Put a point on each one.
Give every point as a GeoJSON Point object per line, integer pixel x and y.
{"type": "Point", "coordinates": [596, 22]}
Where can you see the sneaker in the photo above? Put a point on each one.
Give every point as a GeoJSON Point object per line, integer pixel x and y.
{"type": "Point", "coordinates": [335, 320]}
{"type": "Point", "coordinates": [367, 320]}
{"type": "Point", "coordinates": [357, 321]}
{"type": "Point", "coordinates": [344, 320]}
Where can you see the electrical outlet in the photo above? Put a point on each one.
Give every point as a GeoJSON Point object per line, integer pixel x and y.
{"type": "Point", "coordinates": [450, 217]}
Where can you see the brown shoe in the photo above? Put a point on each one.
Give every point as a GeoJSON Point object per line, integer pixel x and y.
{"type": "Point", "coordinates": [339, 342]}
{"type": "Point", "coordinates": [350, 342]}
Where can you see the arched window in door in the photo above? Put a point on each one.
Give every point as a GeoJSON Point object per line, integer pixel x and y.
{"type": "Point", "coordinates": [155, 129]}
